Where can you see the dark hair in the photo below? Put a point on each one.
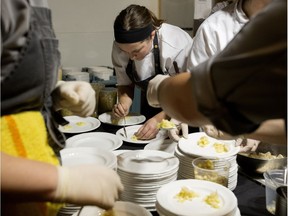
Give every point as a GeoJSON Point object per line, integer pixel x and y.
{"type": "Point", "coordinates": [135, 17]}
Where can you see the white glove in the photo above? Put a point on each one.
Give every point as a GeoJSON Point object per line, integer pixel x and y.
{"type": "Point", "coordinates": [76, 96]}
{"type": "Point", "coordinates": [152, 90]}
{"type": "Point", "coordinates": [88, 185]}
{"type": "Point", "coordinates": [212, 131]}
{"type": "Point", "coordinates": [174, 133]}
{"type": "Point", "coordinates": [247, 144]}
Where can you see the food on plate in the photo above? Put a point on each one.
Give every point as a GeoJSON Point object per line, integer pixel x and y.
{"type": "Point", "coordinates": [203, 141]}
{"type": "Point", "coordinates": [267, 155]}
{"type": "Point", "coordinates": [67, 127]}
{"type": "Point", "coordinates": [185, 194]}
{"type": "Point", "coordinates": [165, 124]}
{"type": "Point", "coordinates": [80, 124]}
{"type": "Point", "coordinates": [134, 138]}
{"type": "Point", "coordinates": [213, 200]}
{"type": "Point", "coordinates": [108, 213]}
{"type": "Point", "coordinates": [220, 147]}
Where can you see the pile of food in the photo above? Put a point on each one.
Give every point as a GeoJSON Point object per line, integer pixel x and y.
{"type": "Point", "coordinates": [185, 194]}
{"type": "Point", "coordinates": [165, 124]}
{"type": "Point", "coordinates": [266, 156]}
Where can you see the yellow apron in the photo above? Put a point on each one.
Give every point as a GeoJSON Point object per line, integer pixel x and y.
{"type": "Point", "coordinates": [24, 135]}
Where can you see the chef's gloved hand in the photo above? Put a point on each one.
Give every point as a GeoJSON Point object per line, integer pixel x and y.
{"type": "Point", "coordinates": [247, 144]}
{"type": "Point", "coordinates": [152, 90]}
{"type": "Point", "coordinates": [88, 185]}
{"type": "Point", "coordinates": [174, 133]}
{"type": "Point", "coordinates": [76, 96]}
{"type": "Point", "coordinates": [212, 131]}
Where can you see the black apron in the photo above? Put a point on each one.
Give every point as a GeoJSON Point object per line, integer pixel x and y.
{"type": "Point", "coordinates": [145, 108]}
{"type": "Point", "coordinates": [33, 77]}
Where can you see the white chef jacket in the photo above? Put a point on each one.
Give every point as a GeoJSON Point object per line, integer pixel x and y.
{"type": "Point", "coordinates": [174, 45]}
{"type": "Point", "coordinates": [216, 32]}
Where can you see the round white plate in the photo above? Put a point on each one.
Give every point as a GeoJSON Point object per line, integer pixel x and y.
{"type": "Point", "coordinates": [166, 198]}
{"type": "Point", "coordinates": [166, 145]}
{"type": "Point", "coordinates": [79, 125]}
{"type": "Point", "coordinates": [190, 146]}
{"type": "Point", "coordinates": [103, 140]}
{"type": "Point", "coordinates": [131, 119]}
{"type": "Point", "coordinates": [120, 209]}
{"type": "Point", "coordinates": [87, 155]}
{"type": "Point", "coordinates": [131, 130]}
{"type": "Point", "coordinates": [147, 162]}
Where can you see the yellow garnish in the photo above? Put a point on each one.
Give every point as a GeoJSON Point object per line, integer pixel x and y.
{"type": "Point", "coordinates": [220, 147]}
{"type": "Point", "coordinates": [108, 213]}
{"type": "Point", "coordinates": [213, 200]}
{"type": "Point", "coordinates": [203, 141]}
{"type": "Point", "coordinates": [185, 194]}
{"type": "Point", "coordinates": [134, 138]}
{"type": "Point", "coordinates": [80, 124]}
{"type": "Point", "coordinates": [67, 127]}
{"type": "Point", "coordinates": [165, 124]}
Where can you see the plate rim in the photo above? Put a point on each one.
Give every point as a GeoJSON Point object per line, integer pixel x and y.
{"type": "Point", "coordinates": [94, 134]}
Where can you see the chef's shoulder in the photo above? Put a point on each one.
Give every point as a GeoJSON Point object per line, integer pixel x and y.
{"type": "Point", "coordinates": [174, 36]}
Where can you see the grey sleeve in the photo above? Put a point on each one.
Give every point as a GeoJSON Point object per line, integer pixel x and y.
{"type": "Point", "coordinates": [246, 83]}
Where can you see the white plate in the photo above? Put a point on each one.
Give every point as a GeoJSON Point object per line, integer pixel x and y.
{"type": "Point", "coordinates": [147, 162]}
{"type": "Point", "coordinates": [166, 198]}
{"type": "Point", "coordinates": [190, 147]}
{"type": "Point", "coordinates": [87, 155]}
{"type": "Point", "coordinates": [131, 119]}
{"type": "Point", "coordinates": [120, 209]}
{"type": "Point", "coordinates": [103, 140]}
{"type": "Point", "coordinates": [131, 130]}
{"type": "Point", "coordinates": [166, 145]}
{"type": "Point", "coordinates": [79, 125]}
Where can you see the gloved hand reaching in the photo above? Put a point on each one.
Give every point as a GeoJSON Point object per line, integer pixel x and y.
{"type": "Point", "coordinates": [245, 144]}
{"type": "Point", "coordinates": [174, 133]}
{"type": "Point", "coordinates": [88, 185]}
{"type": "Point", "coordinates": [77, 96]}
{"type": "Point", "coordinates": [152, 90]}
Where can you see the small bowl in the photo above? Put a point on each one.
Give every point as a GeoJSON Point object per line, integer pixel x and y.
{"type": "Point", "coordinates": [259, 166]}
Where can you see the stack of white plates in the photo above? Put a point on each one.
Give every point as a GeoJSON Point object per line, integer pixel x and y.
{"type": "Point", "coordinates": [188, 150]}
{"type": "Point", "coordinates": [120, 209]}
{"type": "Point", "coordinates": [143, 172]}
{"type": "Point", "coordinates": [168, 204]}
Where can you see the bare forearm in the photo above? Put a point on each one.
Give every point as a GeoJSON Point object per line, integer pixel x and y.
{"type": "Point", "coordinates": [180, 103]}
{"type": "Point", "coordinates": [23, 179]}
{"type": "Point", "coordinates": [125, 94]}
{"type": "Point", "coordinates": [271, 131]}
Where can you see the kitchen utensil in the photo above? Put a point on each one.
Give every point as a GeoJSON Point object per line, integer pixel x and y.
{"type": "Point", "coordinates": [259, 166]}
{"type": "Point", "coordinates": [124, 127]}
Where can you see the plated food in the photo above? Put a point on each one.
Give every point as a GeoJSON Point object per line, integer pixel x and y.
{"type": "Point", "coordinates": [131, 119]}
{"type": "Point", "coordinates": [79, 124]}
{"type": "Point", "coordinates": [166, 124]}
{"type": "Point", "coordinates": [200, 145]}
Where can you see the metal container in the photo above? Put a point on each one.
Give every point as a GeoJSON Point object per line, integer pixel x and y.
{"type": "Point", "coordinates": [259, 166]}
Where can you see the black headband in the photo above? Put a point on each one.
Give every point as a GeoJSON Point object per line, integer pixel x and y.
{"type": "Point", "coordinates": [132, 35]}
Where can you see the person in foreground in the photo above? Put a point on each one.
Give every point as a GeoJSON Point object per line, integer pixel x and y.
{"type": "Point", "coordinates": [145, 46]}
{"type": "Point", "coordinates": [239, 88]}
{"type": "Point", "coordinates": [32, 180]}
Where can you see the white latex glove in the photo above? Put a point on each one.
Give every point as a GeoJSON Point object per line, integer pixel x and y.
{"type": "Point", "coordinates": [76, 96]}
{"type": "Point", "coordinates": [152, 90]}
{"type": "Point", "coordinates": [247, 144]}
{"type": "Point", "coordinates": [88, 185]}
{"type": "Point", "coordinates": [174, 133]}
{"type": "Point", "coordinates": [212, 131]}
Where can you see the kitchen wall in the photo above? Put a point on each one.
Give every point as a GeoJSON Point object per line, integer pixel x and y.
{"type": "Point", "coordinates": [85, 28]}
